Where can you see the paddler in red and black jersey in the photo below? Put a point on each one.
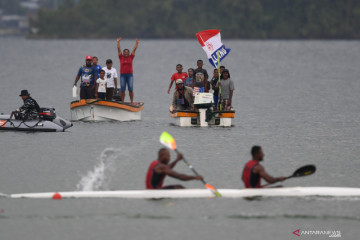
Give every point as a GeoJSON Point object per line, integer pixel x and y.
{"type": "Point", "coordinates": [254, 171]}
{"type": "Point", "coordinates": [161, 168]}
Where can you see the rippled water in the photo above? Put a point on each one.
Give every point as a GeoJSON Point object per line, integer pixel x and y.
{"type": "Point", "coordinates": [298, 99]}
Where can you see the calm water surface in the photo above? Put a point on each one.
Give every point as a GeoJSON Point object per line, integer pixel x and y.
{"type": "Point", "coordinates": [298, 99]}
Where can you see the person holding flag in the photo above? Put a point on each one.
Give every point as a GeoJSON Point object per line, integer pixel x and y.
{"type": "Point", "coordinates": [227, 89]}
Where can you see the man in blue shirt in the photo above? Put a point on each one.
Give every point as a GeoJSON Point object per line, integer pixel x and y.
{"type": "Point", "coordinates": [88, 78]}
{"type": "Point", "coordinates": [97, 67]}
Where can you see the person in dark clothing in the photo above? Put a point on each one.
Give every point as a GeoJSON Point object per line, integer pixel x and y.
{"type": "Point", "coordinates": [253, 171]}
{"type": "Point", "coordinates": [161, 168]}
{"type": "Point", "coordinates": [29, 111]}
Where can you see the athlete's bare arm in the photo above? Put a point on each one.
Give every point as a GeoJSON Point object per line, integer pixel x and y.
{"type": "Point", "coordinates": [258, 169]}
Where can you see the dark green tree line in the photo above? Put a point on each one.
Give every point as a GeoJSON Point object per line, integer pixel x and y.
{"type": "Point", "coordinates": [307, 19]}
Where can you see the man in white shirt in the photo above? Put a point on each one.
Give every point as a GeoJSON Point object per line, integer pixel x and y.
{"type": "Point", "coordinates": [111, 80]}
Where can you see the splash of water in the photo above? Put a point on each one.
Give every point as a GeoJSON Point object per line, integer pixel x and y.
{"type": "Point", "coordinates": [100, 177]}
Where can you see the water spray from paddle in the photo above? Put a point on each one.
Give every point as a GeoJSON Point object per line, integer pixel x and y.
{"type": "Point", "coordinates": [100, 177]}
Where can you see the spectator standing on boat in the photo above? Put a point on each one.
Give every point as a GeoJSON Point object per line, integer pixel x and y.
{"type": "Point", "coordinates": [222, 68]}
{"type": "Point", "coordinates": [200, 83]}
{"type": "Point", "coordinates": [126, 70]}
{"type": "Point", "coordinates": [97, 67]}
{"type": "Point", "coordinates": [188, 82]}
{"type": "Point", "coordinates": [111, 80]}
{"type": "Point", "coordinates": [254, 171]}
{"type": "Point", "coordinates": [227, 89]}
{"type": "Point", "coordinates": [183, 98]}
{"type": "Point", "coordinates": [161, 168]}
{"type": "Point", "coordinates": [29, 111]}
{"type": "Point", "coordinates": [178, 75]}
{"type": "Point", "coordinates": [101, 86]}
{"type": "Point", "coordinates": [213, 83]}
{"type": "Point", "coordinates": [87, 75]}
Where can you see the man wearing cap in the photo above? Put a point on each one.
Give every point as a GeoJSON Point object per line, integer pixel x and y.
{"type": "Point", "coordinates": [111, 80]}
{"type": "Point", "coordinates": [183, 98]}
{"type": "Point", "coordinates": [29, 111]}
{"type": "Point", "coordinates": [88, 78]}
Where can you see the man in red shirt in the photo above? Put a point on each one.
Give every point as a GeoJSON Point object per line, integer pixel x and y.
{"type": "Point", "coordinates": [178, 75]}
{"type": "Point", "coordinates": [161, 168]}
{"type": "Point", "coordinates": [254, 171]}
{"type": "Point", "coordinates": [126, 69]}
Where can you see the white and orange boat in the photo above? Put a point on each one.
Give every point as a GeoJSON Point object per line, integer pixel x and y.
{"type": "Point", "coordinates": [204, 116]}
{"type": "Point", "coordinates": [103, 110]}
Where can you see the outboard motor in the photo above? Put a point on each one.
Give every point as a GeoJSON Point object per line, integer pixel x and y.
{"type": "Point", "coordinates": [47, 113]}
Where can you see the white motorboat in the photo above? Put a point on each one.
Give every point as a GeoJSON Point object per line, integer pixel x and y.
{"type": "Point", "coordinates": [204, 116]}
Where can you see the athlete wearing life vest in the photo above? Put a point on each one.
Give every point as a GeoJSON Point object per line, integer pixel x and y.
{"type": "Point", "coordinates": [254, 171]}
{"type": "Point", "coordinates": [161, 168]}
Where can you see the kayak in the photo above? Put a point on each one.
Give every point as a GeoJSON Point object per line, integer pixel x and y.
{"type": "Point", "coordinates": [103, 110]}
{"type": "Point", "coordinates": [47, 122]}
{"type": "Point", "coordinates": [199, 193]}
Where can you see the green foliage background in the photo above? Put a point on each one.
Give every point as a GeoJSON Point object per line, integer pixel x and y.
{"type": "Point", "coordinates": [262, 19]}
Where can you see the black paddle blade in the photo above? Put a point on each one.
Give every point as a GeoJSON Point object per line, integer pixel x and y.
{"type": "Point", "coordinates": [304, 171]}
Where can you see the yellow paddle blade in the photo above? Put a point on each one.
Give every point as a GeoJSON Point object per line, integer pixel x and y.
{"type": "Point", "coordinates": [167, 140]}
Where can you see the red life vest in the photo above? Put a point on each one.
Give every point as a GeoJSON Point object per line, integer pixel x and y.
{"type": "Point", "coordinates": [250, 179]}
{"type": "Point", "coordinates": [154, 180]}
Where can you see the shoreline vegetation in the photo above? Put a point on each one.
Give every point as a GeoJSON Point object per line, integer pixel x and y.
{"type": "Point", "coordinates": [182, 19]}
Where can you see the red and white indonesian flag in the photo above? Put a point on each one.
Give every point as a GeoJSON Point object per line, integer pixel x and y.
{"type": "Point", "coordinates": [210, 41]}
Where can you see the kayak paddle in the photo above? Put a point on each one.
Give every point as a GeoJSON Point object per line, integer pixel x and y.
{"type": "Point", "coordinates": [167, 140]}
{"type": "Point", "coordinates": [300, 172]}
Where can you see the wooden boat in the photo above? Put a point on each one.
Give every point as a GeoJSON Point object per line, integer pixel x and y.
{"type": "Point", "coordinates": [204, 116]}
{"type": "Point", "coordinates": [198, 118]}
{"type": "Point", "coordinates": [199, 193]}
{"type": "Point", "coordinates": [103, 110]}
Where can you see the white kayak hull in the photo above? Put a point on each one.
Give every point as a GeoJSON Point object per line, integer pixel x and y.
{"type": "Point", "coordinates": [94, 110]}
{"type": "Point", "coordinates": [199, 193]}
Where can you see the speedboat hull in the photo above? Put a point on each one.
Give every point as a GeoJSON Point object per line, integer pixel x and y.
{"type": "Point", "coordinates": [38, 125]}
{"type": "Point", "coordinates": [100, 110]}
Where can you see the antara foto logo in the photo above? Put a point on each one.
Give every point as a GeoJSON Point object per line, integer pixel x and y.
{"type": "Point", "coordinates": [297, 232]}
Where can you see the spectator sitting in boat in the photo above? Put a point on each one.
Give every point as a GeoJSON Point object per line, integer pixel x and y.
{"type": "Point", "coordinates": [126, 70]}
{"type": "Point", "coordinates": [178, 75]}
{"type": "Point", "coordinates": [254, 171]}
{"type": "Point", "coordinates": [101, 86]}
{"type": "Point", "coordinates": [183, 98]}
{"type": "Point", "coordinates": [188, 82]}
{"type": "Point", "coordinates": [213, 82]}
{"type": "Point", "coordinates": [87, 75]}
{"type": "Point", "coordinates": [111, 80]}
{"type": "Point", "coordinates": [226, 91]}
{"type": "Point", "coordinates": [200, 83]}
{"type": "Point", "coordinates": [29, 111]}
{"type": "Point", "coordinates": [161, 168]}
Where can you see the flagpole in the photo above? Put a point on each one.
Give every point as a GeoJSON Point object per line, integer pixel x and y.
{"type": "Point", "coordinates": [219, 81]}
